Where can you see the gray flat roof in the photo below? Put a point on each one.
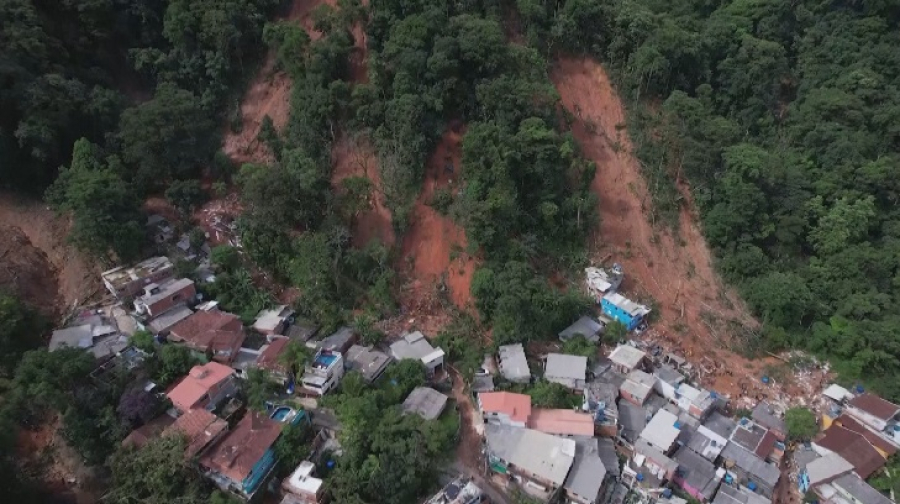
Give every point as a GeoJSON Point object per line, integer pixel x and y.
{"type": "Point", "coordinates": [826, 468]}
{"type": "Point", "coordinates": [483, 384]}
{"type": "Point", "coordinates": [572, 367]}
{"type": "Point", "coordinates": [860, 490]}
{"type": "Point", "coordinates": [764, 415]}
{"type": "Point", "coordinates": [80, 336]}
{"type": "Point", "coordinates": [548, 457]}
{"type": "Point", "coordinates": [627, 356]}
{"type": "Point", "coordinates": [731, 495]}
{"type": "Point", "coordinates": [758, 468]}
{"type": "Point", "coordinates": [425, 402]}
{"type": "Point", "coordinates": [368, 362]}
{"type": "Point", "coordinates": [513, 364]}
{"type": "Point", "coordinates": [169, 318]}
{"type": "Point", "coordinates": [412, 346]}
{"type": "Point", "coordinates": [166, 289]}
{"type": "Point", "coordinates": [698, 472]}
{"type": "Point", "coordinates": [587, 474]}
{"type": "Point", "coordinates": [633, 420]}
{"type": "Point", "coordinates": [585, 326]}
{"type": "Point", "coordinates": [668, 374]}
{"type": "Point", "coordinates": [720, 424]}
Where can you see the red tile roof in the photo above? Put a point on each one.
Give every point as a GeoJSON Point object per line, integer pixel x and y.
{"type": "Point", "coordinates": [236, 454]}
{"type": "Point", "coordinates": [190, 390]}
{"type": "Point", "coordinates": [219, 332]}
{"type": "Point", "coordinates": [200, 427]}
{"type": "Point", "coordinates": [877, 441]}
{"type": "Point", "coordinates": [766, 444]}
{"type": "Point", "coordinates": [562, 422]}
{"type": "Point", "coordinates": [854, 448]}
{"type": "Point", "coordinates": [516, 406]}
{"type": "Point", "coordinates": [875, 406]}
{"type": "Point", "coordinates": [269, 358]}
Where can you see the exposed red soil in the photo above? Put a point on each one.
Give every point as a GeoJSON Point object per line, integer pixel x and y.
{"type": "Point", "coordinates": [433, 238]}
{"type": "Point", "coordinates": [674, 270]}
{"type": "Point", "coordinates": [269, 94]}
{"type": "Point", "coordinates": [36, 260]}
{"type": "Point", "coordinates": [355, 157]}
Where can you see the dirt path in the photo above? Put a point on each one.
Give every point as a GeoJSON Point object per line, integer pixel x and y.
{"type": "Point", "coordinates": [37, 261]}
{"type": "Point", "coordinates": [435, 244]}
{"type": "Point", "coordinates": [675, 271]}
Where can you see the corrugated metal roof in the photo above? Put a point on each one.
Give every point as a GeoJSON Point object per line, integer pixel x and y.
{"type": "Point", "coordinates": [548, 457]}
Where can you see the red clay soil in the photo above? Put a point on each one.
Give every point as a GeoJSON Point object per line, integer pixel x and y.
{"type": "Point", "coordinates": [676, 272]}
{"type": "Point", "coordinates": [38, 262]}
{"type": "Point", "coordinates": [355, 157]}
{"type": "Point", "coordinates": [428, 243]}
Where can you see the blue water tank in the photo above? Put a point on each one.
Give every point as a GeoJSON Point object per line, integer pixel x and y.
{"type": "Point", "coordinates": [330, 464]}
{"type": "Point", "coordinates": [752, 486]}
{"type": "Point", "coordinates": [860, 389]}
{"type": "Point", "coordinates": [667, 493]}
{"type": "Point", "coordinates": [765, 379]}
{"type": "Point", "coordinates": [640, 477]}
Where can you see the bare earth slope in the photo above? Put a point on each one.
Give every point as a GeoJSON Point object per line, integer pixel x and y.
{"type": "Point", "coordinates": [675, 271]}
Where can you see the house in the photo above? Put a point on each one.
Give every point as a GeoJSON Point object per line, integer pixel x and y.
{"type": "Point", "coordinates": [850, 489]}
{"type": "Point", "coordinates": [138, 438]}
{"type": "Point", "coordinates": [200, 427]}
{"type": "Point", "coordinates": [482, 383]}
{"type": "Point", "coordinates": [567, 370]}
{"type": "Point", "coordinates": [415, 346]}
{"type": "Point", "coordinates": [883, 445]}
{"type": "Point", "coordinates": [339, 342]}
{"type": "Point", "coordinates": [706, 443]}
{"type": "Point", "coordinates": [622, 309]}
{"type": "Point", "coordinates": [753, 438]}
{"type": "Point", "coordinates": [241, 460]}
{"type": "Point", "coordinates": [269, 359]}
{"type": "Point", "coordinates": [366, 361]}
{"type": "Point", "coordinates": [662, 431]}
{"type": "Point", "coordinates": [425, 402]}
{"type": "Point", "coordinates": [824, 470]}
{"type": "Point", "coordinates": [873, 411]}
{"type": "Point", "coordinates": [720, 424]}
{"type": "Point", "coordinates": [205, 386]}
{"type": "Point", "coordinates": [606, 450]}
{"type": "Point", "coordinates": [160, 228]}
{"type": "Point", "coordinates": [124, 282]}
{"type": "Point", "coordinates": [746, 468]}
{"type": "Point", "coordinates": [600, 281]}
{"type": "Point", "coordinates": [632, 421]}
{"type": "Point", "coordinates": [92, 331]}
{"type": "Point", "coordinates": [513, 364]}
{"type": "Point", "coordinates": [667, 381]}
{"type": "Point", "coordinates": [637, 387]}
{"type": "Point", "coordinates": [158, 298]}
{"type": "Point", "coordinates": [586, 326]}
{"type": "Point", "coordinates": [764, 415]}
{"type": "Point", "coordinates": [600, 402]}
{"type": "Point", "coordinates": [273, 321]}
{"type": "Point", "coordinates": [215, 333]}
{"type": "Point", "coordinates": [626, 358]}
{"type": "Point", "coordinates": [653, 463]}
{"type": "Point", "coordinates": [738, 495]}
{"type": "Point", "coordinates": [163, 323]}
{"type": "Point", "coordinates": [324, 373]}
{"type": "Point", "coordinates": [301, 330]}
{"type": "Point", "coordinates": [561, 422]}
{"type": "Point", "coordinates": [853, 447]}
{"type": "Point", "coordinates": [540, 462]}
{"type": "Point", "coordinates": [837, 393]}
{"type": "Point", "coordinates": [587, 477]}
{"type": "Point", "coordinates": [458, 491]}
{"type": "Point", "coordinates": [301, 487]}
{"type": "Point", "coordinates": [696, 475]}
{"type": "Point", "coordinates": [505, 408]}
{"type": "Point", "coordinates": [696, 402]}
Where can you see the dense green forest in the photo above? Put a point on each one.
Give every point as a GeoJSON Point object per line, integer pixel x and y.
{"type": "Point", "coordinates": [783, 118]}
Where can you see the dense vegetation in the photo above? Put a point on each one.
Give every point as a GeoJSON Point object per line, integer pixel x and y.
{"type": "Point", "coordinates": [782, 116]}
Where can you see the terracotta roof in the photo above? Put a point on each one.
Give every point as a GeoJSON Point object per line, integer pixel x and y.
{"type": "Point", "coordinates": [201, 379]}
{"type": "Point", "coordinates": [269, 357]}
{"type": "Point", "coordinates": [219, 332]}
{"type": "Point", "coordinates": [563, 422]}
{"type": "Point", "coordinates": [200, 427]}
{"type": "Point", "coordinates": [877, 441]}
{"type": "Point", "coordinates": [766, 444]}
{"type": "Point", "coordinates": [516, 406]}
{"type": "Point", "coordinates": [875, 406]}
{"type": "Point", "coordinates": [854, 448]}
{"type": "Point", "coordinates": [236, 454]}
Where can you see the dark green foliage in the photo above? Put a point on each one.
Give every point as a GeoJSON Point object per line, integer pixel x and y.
{"type": "Point", "coordinates": [143, 340]}
{"type": "Point", "coordinates": [172, 362]}
{"type": "Point", "coordinates": [236, 293]}
{"type": "Point", "coordinates": [293, 447]}
{"type": "Point", "coordinates": [21, 329]}
{"type": "Point", "coordinates": [546, 394]}
{"type": "Point", "coordinates": [185, 195]}
{"type": "Point", "coordinates": [154, 474]}
{"type": "Point", "coordinates": [259, 388]}
{"type": "Point", "coordinates": [225, 257]}
{"type": "Point", "coordinates": [614, 332]}
{"type": "Point", "coordinates": [782, 116]}
{"type": "Point", "coordinates": [105, 210]}
{"type": "Point", "coordinates": [170, 136]}
{"type": "Point", "coordinates": [801, 424]}
{"type": "Point", "coordinates": [462, 339]}
{"type": "Point", "coordinates": [579, 345]}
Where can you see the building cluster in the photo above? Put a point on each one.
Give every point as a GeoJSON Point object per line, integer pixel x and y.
{"type": "Point", "coordinates": [229, 445]}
